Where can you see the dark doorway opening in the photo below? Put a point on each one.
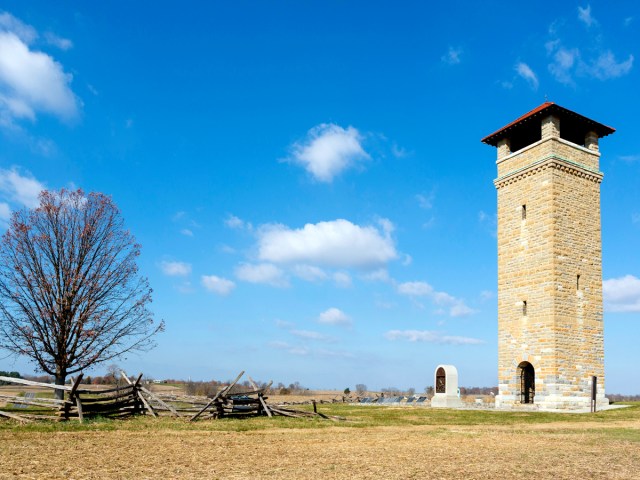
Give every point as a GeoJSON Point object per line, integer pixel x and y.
{"type": "Point", "coordinates": [527, 382]}
{"type": "Point", "coordinates": [441, 381]}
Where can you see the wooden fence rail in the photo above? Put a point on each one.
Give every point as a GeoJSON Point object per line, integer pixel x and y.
{"type": "Point", "coordinates": [135, 399]}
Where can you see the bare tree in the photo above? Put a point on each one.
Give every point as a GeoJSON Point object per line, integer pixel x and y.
{"type": "Point", "coordinates": [70, 292]}
{"type": "Point", "coordinates": [361, 388]}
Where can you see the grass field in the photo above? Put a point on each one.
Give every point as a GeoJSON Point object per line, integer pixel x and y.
{"type": "Point", "coordinates": [373, 442]}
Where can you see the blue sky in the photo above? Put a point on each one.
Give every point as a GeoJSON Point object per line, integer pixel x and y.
{"type": "Point", "coordinates": [307, 179]}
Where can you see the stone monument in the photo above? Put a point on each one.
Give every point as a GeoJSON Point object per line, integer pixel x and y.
{"type": "Point", "coordinates": [446, 387]}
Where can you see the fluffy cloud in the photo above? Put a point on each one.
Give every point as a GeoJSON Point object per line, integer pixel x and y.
{"type": "Point", "coordinates": [218, 285]}
{"type": "Point", "coordinates": [338, 243]}
{"type": "Point", "coordinates": [175, 269]}
{"type": "Point", "coordinates": [456, 307]}
{"type": "Point", "coordinates": [9, 23]}
{"type": "Point", "coordinates": [334, 316]}
{"type": "Point", "coordinates": [261, 273]}
{"type": "Point", "coordinates": [592, 61]}
{"type": "Point", "coordinates": [22, 190]}
{"type": "Point", "coordinates": [430, 337]}
{"type": "Point", "coordinates": [525, 72]}
{"type": "Point", "coordinates": [236, 223]}
{"type": "Point", "coordinates": [328, 150]}
{"type": "Point", "coordinates": [30, 81]}
{"type": "Point", "coordinates": [622, 294]}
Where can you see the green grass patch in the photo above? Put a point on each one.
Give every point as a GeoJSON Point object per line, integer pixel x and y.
{"type": "Point", "coordinates": [355, 417]}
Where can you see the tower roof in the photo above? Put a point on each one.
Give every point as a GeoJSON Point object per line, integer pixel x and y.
{"type": "Point", "coordinates": [575, 124]}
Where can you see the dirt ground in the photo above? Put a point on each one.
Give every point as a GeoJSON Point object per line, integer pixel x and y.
{"type": "Point", "coordinates": [542, 451]}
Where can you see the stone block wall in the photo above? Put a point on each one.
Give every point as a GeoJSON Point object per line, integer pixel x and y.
{"type": "Point", "coordinates": [548, 234]}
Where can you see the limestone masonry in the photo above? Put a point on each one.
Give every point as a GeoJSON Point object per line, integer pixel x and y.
{"type": "Point", "coordinates": [550, 323]}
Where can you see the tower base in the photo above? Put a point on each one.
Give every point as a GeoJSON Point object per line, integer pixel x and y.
{"type": "Point", "coordinates": [550, 402]}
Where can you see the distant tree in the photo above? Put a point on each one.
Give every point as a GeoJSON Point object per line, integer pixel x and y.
{"type": "Point", "coordinates": [428, 390]}
{"type": "Point", "coordinates": [394, 391]}
{"type": "Point", "coordinates": [411, 391]}
{"type": "Point", "coordinates": [70, 292]}
{"type": "Point", "coordinates": [347, 391]}
{"type": "Point", "coordinates": [113, 374]}
{"type": "Point", "coordinates": [361, 388]}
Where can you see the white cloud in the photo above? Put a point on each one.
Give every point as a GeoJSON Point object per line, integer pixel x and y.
{"type": "Point", "coordinates": [311, 335]}
{"type": "Point", "coordinates": [236, 223]}
{"type": "Point", "coordinates": [309, 273]}
{"type": "Point", "coordinates": [328, 150]}
{"type": "Point", "coordinates": [456, 307]}
{"type": "Point", "coordinates": [415, 289]}
{"type": "Point", "coordinates": [21, 189]}
{"type": "Point", "coordinates": [175, 269]}
{"type": "Point", "coordinates": [379, 275]}
{"type": "Point", "coordinates": [622, 294]}
{"type": "Point", "coordinates": [334, 316]}
{"type": "Point", "coordinates": [30, 81]}
{"type": "Point", "coordinates": [342, 279]}
{"type": "Point", "coordinates": [56, 41]}
{"type": "Point", "coordinates": [337, 243]}
{"type": "Point", "coordinates": [430, 337]}
{"type": "Point", "coordinates": [593, 61]}
{"type": "Point", "coordinates": [218, 285]}
{"type": "Point", "coordinates": [9, 23]}
{"type": "Point", "coordinates": [459, 309]}
{"type": "Point", "coordinates": [606, 66]}
{"type": "Point", "coordinates": [452, 57]}
{"type": "Point", "coordinates": [584, 15]}
{"type": "Point", "coordinates": [525, 72]}
{"type": "Point", "coordinates": [398, 151]}
{"type": "Point", "coordinates": [261, 273]}
{"type": "Point", "coordinates": [186, 232]}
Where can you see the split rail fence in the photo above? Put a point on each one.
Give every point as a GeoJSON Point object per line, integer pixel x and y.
{"type": "Point", "coordinates": [135, 399]}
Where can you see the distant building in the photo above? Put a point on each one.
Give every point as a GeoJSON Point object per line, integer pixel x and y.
{"type": "Point", "coordinates": [550, 320]}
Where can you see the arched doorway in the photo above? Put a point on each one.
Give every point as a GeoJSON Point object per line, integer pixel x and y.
{"type": "Point", "coordinates": [527, 382]}
{"type": "Point", "coordinates": [441, 381]}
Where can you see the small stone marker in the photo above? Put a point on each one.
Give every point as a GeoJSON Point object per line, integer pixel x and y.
{"type": "Point", "coordinates": [446, 387]}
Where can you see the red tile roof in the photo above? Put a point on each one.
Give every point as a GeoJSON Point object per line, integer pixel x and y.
{"type": "Point", "coordinates": [547, 108]}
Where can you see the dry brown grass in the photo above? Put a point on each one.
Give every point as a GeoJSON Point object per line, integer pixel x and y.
{"type": "Point", "coordinates": [563, 449]}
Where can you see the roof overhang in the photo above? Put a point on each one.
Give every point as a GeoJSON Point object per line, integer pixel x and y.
{"type": "Point", "coordinates": [572, 119]}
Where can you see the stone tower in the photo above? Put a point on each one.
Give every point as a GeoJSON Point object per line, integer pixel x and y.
{"type": "Point", "coordinates": [550, 321]}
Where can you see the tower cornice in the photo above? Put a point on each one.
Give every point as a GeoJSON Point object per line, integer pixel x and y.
{"type": "Point", "coordinates": [550, 161]}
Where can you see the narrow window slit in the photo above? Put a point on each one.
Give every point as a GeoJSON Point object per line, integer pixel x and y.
{"type": "Point", "coordinates": [524, 308]}
{"type": "Point", "coordinates": [524, 212]}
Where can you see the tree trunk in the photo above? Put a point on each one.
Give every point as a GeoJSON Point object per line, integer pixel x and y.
{"type": "Point", "coordinates": [61, 377]}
